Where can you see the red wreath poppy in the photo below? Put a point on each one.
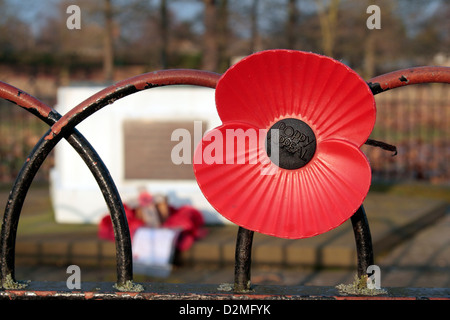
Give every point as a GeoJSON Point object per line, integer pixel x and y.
{"type": "Point", "coordinates": [316, 177]}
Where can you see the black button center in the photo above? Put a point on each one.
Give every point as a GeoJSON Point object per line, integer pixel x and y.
{"type": "Point", "coordinates": [295, 142]}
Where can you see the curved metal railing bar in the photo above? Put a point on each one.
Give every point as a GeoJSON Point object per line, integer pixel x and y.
{"type": "Point", "coordinates": [409, 76]}
{"type": "Point", "coordinates": [94, 163]}
{"type": "Point", "coordinates": [62, 128]}
{"type": "Point", "coordinates": [363, 241]}
{"type": "Point", "coordinates": [66, 124]}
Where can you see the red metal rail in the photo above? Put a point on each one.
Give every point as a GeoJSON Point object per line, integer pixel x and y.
{"type": "Point", "coordinates": [406, 77]}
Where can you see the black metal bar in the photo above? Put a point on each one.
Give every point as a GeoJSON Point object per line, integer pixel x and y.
{"type": "Point", "coordinates": [382, 145]}
{"type": "Point", "coordinates": [124, 263]}
{"type": "Point", "coordinates": [243, 260]}
{"type": "Point", "coordinates": [363, 239]}
{"type": "Point", "coordinates": [110, 193]}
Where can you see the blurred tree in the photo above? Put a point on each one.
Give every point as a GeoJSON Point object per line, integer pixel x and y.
{"type": "Point", "coordinates": [223, 60]}
{"type": "Point", "coordinates": [371, 51]}
{"type": "Point", "coordinates": [164, 31]}
{"type": "Point", "coordinates": [328, 18]}
{"type": "Point", "coordinates": [215, 37]}
{"type": "Point", "coordinates": [291, 24]}
{"type": "Point", "coordinates": [68, 48]}
{"type": "Point", "coordinates": [108, 50]}
{"type": "Point", "coordinates": [144, 34]}
{"type": "Point", "coordinates": [152, 33]}
{"type": "Point", "coordinates": [430, 31]}
{"type": "Point", "coordinates": [276, 24]}
{"type": "Point", "coordinates": [15, 35]}
{"type": "Point", "coordinates": [255, 41]}
{"type": "Point", "coordinates": [209, 38]}
{"type": "Point", "coordinates": [427, 42]}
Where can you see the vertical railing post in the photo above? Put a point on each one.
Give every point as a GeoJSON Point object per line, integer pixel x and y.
{"type": "Point", "coordinates": [363, 239]}
{"type": "Point", "coordinates": [243, 257]}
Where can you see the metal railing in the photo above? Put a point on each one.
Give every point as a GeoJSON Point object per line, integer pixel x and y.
{"type": "Point", "coordinates": [64, 126]}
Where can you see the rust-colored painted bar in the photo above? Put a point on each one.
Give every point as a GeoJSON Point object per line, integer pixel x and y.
{"type": "Point", "coordinates": [24, 100]}
{"type": "Point", "coordinates": [405, 77]}
{"type": "Point", "coordinates": [272, 294]}
{"type": "Point", "coordinates": [132, 85]}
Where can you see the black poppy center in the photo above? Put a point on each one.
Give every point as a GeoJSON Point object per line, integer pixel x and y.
{"type": "Point", "coordinates": [290, 143]}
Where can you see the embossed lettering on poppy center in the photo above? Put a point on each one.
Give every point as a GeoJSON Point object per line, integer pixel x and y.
{"type": "Point", "coordinates": [295, 142]}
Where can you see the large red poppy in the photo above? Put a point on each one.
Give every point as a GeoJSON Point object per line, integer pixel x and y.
{"type": "Point", "coordinates": [316, 177]}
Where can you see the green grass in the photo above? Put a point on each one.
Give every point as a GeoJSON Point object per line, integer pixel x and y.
{"type": "Point", "coordinates": [44, 223]}
{"type": "Point", "coordinates": [37, 216]}
{"type": "Point", "coordinates": [440, 192]}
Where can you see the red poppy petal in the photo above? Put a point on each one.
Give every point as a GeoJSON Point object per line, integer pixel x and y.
{"type": "Point", "coordinates": [339, 180]}
{"type": "Point", "coordinates": [285, 203]}
{"type": "Point", "coordinates": [274, 84]}
{"type": "Point", "coordinates": [349, 115]}
{"type": "Point", "coordinates": [223, 176]}
{"type": "Point", "coordinates": [231, 143]}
